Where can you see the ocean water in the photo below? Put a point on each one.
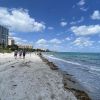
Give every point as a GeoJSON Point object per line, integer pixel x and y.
{"type": "Point", "coordinates": [85, 67]}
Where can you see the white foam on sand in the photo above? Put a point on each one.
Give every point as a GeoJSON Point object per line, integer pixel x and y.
{"type": "Point", "coordinates": [30, 79]}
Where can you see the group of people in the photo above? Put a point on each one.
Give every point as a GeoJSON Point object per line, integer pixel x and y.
{"type": "Point", "coordinates": [20, 53]}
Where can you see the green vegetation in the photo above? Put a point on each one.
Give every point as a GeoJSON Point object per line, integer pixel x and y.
{"type": "Point", "coordinates": [5, 50]}
{"type": "Point", "coordinates": [13, 47]}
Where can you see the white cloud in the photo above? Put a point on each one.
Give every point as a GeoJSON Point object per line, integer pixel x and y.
{"type": "Point", "coordinates": [63, 23]}
{"type": "Point", "coordinates": [86, 30]}
{"type": "Point", "coordinates": [83, 9]}
{"type": "Point", "coordinates": [96, 15]}
{"type": "Point", "coordinates": [81, 2]}
{"type": "Point", "coordinates": [78, 21]}
{"type": "Point", "coordinates": [98, 41]}
{"type": "Point", "coordinates": [73, 22]}
{"type": "Point", "coordinates": [52, 41]}
{"type": "Point", "coordinates": [19, 40]}
{"type": "Point", "coordinates": [81, 42]}
{"type": "Point", "coordinates": [55, 41]}
{"type": "Point", "coordinates": [11, 33]}
{"type": "Point", "coordinates": [19, 20]}
{"type": "Point", "coordinates": [41, 41]}
{"type": "Point", "coordinates": [68, 38]}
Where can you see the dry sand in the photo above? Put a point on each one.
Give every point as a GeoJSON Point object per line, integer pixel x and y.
{"type": "Point", "coordinates": [30, 79]}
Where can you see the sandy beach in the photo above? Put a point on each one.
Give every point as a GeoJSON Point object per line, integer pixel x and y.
{"type": "Point", "coordinates": [30, 79]}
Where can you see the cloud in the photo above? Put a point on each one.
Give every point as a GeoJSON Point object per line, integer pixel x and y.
{"type": "Point", "coordinates": [55, 41]}
{"type": "Point", "coordinates": [52, 41]}
{"type": "Point", "coordinates": [63, 23]}
{"type": "Point", "coordinates": [98, 41]}
{"type": "Point", "coordinates": [19, 40]}
{"type": "Point", "coordinates": [45, 43]}
{"type": "Point", "coordinates": [83, 42]}
{"type": "Point", "coordinates": [12, 33]}
{"type": "Point", "coordinates": [83, 9]}
{"type": "Point", "coordinates": [19, 20]}
{"type": "Point", "coordinates": [96, 15]}
{"type": "Point", "coordinates": [68, 38]}
{"type": "Point", "coordinates": [41, 41]}
{"type": "Point", "coordinates": [81, 2]}
{"type": "Point", "coordinates": [86, 30]}
{"type": "Point", "coordinates": [73, 22]}
{"type": "Point", "coordinates": [78, 21]}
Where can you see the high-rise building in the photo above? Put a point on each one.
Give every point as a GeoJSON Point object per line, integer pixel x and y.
{"type": "Point", "coordinates": [3, 36]}
{"type": "Point", "coordinates": [11, 41]}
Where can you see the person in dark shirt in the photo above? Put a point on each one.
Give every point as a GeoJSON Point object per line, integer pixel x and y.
{"type": "Point", "coordinates": [20, 53]}
{"type": "Point", "coordinates": [15, 54]}
{"type": "Point", "coordinates": [24, 53]}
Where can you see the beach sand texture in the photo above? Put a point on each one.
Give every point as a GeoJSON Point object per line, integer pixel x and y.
{"type": "Point", "coordinates": [30, 79]}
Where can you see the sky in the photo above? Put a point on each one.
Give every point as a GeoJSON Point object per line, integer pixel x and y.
{"type": "Point", "coordinates": [59, 25]}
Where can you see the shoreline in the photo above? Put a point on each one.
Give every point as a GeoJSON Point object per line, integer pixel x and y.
{"type": "Point", "coordinates": [69, 82]}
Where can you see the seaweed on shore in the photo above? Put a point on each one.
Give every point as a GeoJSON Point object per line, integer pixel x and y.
{"type": "Point", "coordinates": [50, 64]}
{"type": "Point", "coordinates": [80, 94]}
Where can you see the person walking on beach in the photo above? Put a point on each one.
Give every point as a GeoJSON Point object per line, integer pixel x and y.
{"type": "Point", "coordinates": [24, 53]}
{"type": "Point", "coordinates": [15, 54]}
{"type": "Point", "coordinates": [20, 53]}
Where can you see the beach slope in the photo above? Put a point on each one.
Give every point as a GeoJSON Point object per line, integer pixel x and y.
{"type": "Point", "coordinates": [30, 79]}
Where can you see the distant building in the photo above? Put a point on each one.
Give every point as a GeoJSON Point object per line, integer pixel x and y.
{"type": "Point", "coordinates": [3, 36]}
{"type": "Point", "coordinates": [25, 46]}
{"type": "Point", "coordinates": [11, 41]}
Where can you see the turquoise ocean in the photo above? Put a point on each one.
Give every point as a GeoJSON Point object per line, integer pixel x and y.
{"type": "Point", "coordinates": [85, 67]}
